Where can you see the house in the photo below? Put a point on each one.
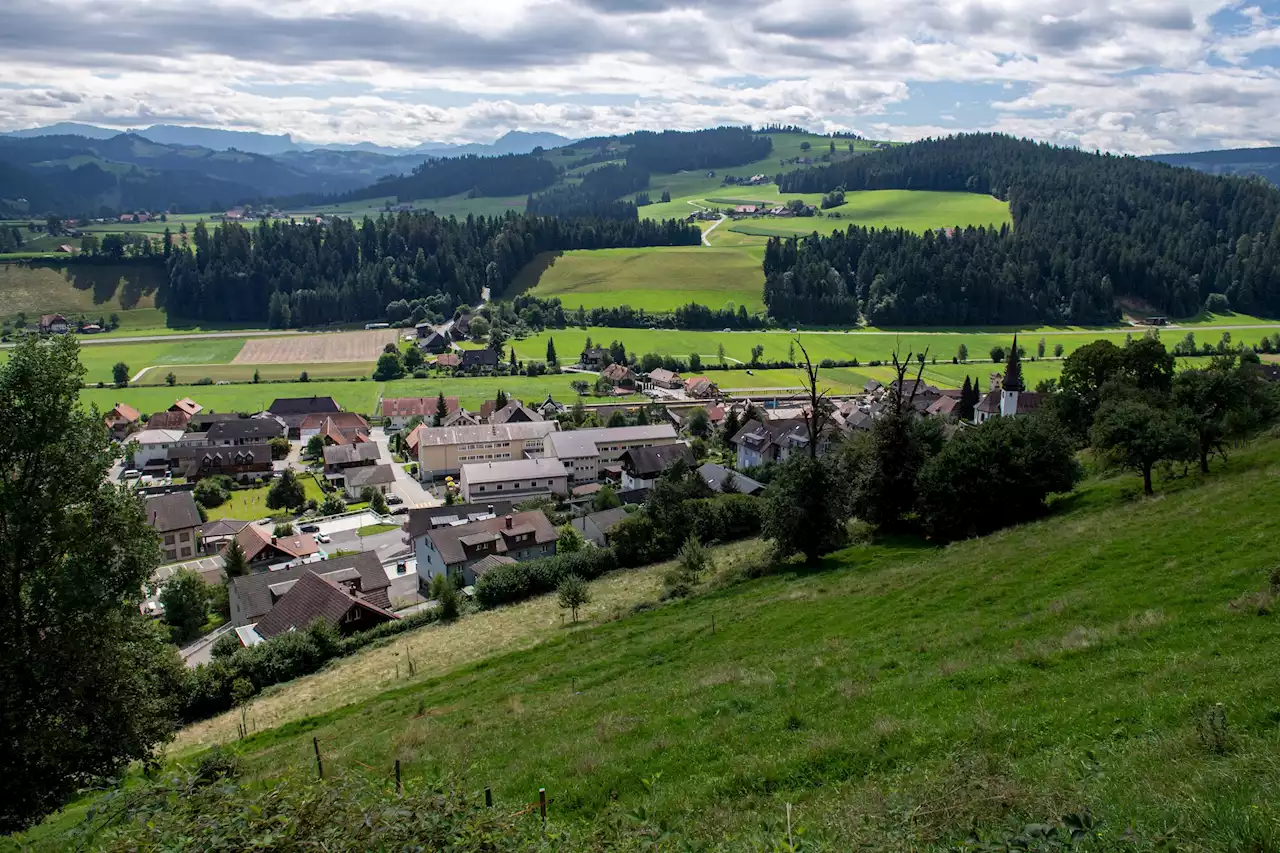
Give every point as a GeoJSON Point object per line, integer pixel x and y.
{"type": "Point", "coordinates": [758, 442]}
{"type": "Point", "coordinates": [66, 249]}
{"type": "Point", "coordinates": [253, 596]}
{"type": "Point", "coordinates": [187, 405]}
{"type": "Point", "coordinates": [514, 412]}
{"type": "Point", "coordinates": [664, 378]}
{"type": "Point", "coordinates": [462, 327]}
{"type": "Point", "coordinates": [242, 431]}
{"type": "Point", "coordinates": [412, 440]}
{"type": "Point", "coordinates": [461, 418]}
{"type": "Point", "coordinates": [700, 387]}
{"type": "Point", "coordinates": [619, 374]}
{"type": "Point", "coordinates": [943, 407]}
{"type": "Point", "coordinates": [376, 477]}
{"type": "Point", "coordinates": [342, 457]}
{"type": "Point", "coordinates": [204, 420]}
{"type": "Point", "coordinates": [593, 358]}
{"type": "Point", "coordinates": [151, 446]}
{"type": "Point", "coordinates": [313, 597]}
{"type": "Point", "coordinates": [717, 477]}
{"type": "Point", "coordinates": [175, 517]}
{"type": "Point", "coordinates": [400, 410]}
{"type": "Point", "coordinates": [243, 462]}
{"type": "Point", "coordinates": [474, 359]}
{"type": "Point", "coordinates": [169, 420]}
{"type": "Point", "coordinates": [293, 410]}
{"type": "Point", "coordinates": [261, 549]}
{"type": "Point", "coordinates": [444, 450]}
{"type": "Point", "coordinates": [433, 342]}
{"type": "Point", "coordinates": [53, 324]}
{"type": "Point", "coordinates": [596, 526]}
{"type": "Point", "coordinates": [518, 478]}
{"type": "Point", "coordinates": [584, 452]}
{"type": "Point", "coordinates": [217, 534]}
{"type": "Point", "coordinates": [456, 549]}
{"type": "Point", "coordinates": [121, 420]}
{"type": "Point", "coordinates": [448, 359]}
{"type": "Point", "coordinates": [1011, 399]}
{"type": "Point", "coordinates": [334, 428]}
{"type": "Point", "coordinates": [872, 386]}
{"type": "Point", "coordinates": [550, 408]}
{"type": "Point", "coordinates": [642, 466]}
{"type": "Point", "coordinates": [424, 519]}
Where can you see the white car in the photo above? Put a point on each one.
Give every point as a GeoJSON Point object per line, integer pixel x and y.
{"type": "Point", "coordinates": [130, 474]}
{"type": "Point", "coordinates": [323, 538]}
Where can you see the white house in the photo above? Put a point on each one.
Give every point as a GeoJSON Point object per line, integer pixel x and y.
{"type": "Point", "coordinates": [518, 478]}
{"type": "Point", "coordinates": [151, 446]}
{"type": "Point", "coordinates": [585, 451]}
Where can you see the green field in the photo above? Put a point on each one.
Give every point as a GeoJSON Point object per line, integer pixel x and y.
{"type": "Point", "coordinates": [917, 211]}
{"type": "Point", "coordinates": [251, 504]}
{"type": "Point", "coordinates": [190, 374]}
{"type": "Point", "coordinates": [896, 697]}
{"type": "Point", "coordinates": [98, 359]}
{"type": "Point", "coordinates": [76, 289]}
{"type": "Point", "coordinates": [656, 279]}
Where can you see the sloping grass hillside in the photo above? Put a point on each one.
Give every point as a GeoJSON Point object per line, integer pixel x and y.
{"type": "Point", "coordinates": [1118, 658]}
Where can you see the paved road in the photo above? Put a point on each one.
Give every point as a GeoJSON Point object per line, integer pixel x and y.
{"type": "Point", "coordinates": [388, 545]}
{"type": "Point", "coordinates": [716, 225]}
{"type": "Point", "coordinates": [408, 488]}
{"type": "Point", "coordinates": [90, 340]}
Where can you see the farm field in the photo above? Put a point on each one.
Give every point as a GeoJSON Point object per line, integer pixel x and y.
{"type": "Point", "coordinates": [98, 360]}
{"type": "Point", "coordinates": [193, 373]}
{"type": "Point", "coordinates": [897, 696]}
{"type": "Point", "coordinates": [318, 348]}
{"type": "Point", "coordinates": [654, 279]}
{"type": "Point", "coordinates": [913, 210]}
{"type": "Point", "coordinates": [79, 289]}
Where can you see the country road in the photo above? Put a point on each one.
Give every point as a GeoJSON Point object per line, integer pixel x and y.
{"type": "Point", "coordinates": [89, 340]}
{"type": "Point", "coordinates": [713, 227]}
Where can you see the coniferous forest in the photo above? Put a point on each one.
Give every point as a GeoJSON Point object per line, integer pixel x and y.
{"type": "Point", "coordinates": [1087, 229]}
{"type": "Point", "coordinates": [303, 275]}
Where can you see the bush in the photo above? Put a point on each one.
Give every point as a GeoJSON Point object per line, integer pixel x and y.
{"type": "Point", "coordinates": [211, 492]}
{"type": "Point", "coordinates": [226, 646]}
{"type": "Point", "coordinates": [1217, 303]}
{"type": "Point", "coordinates": [518, 581]}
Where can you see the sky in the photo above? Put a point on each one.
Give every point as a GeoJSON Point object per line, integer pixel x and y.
{"type": "Point", "coordinates": [1134, 76]}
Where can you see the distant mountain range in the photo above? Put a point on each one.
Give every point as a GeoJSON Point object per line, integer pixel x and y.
{"type": "Point", "coordinates": [512, 142]}
{"type": "Point", "coordinates": [1264, 162]}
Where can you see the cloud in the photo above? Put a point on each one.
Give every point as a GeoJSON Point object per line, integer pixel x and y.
{"type": "Point", "coordinates": [1126, 75]}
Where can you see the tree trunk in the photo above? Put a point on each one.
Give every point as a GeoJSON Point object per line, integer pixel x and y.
{"type": "Point", "coordinates": [1204, 461]}
{"type": "Point", "coordinates": [1146, 480]}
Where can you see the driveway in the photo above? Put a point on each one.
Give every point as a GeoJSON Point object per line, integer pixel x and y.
{"type": "Point", "coordinates": [388, 546]}
{"type": "Point", "coordinates": [406, 486]}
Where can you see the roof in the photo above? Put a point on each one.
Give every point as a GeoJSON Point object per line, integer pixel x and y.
{"type": "Point", "coordinates": [186, 404]}
{"type": "Point", "coordinates": [649, 462]}
{"type": "Point", "coordinates": [448, 359]}
{"type": "Point", "coordinates": [424, 519]}
{"type": "Point", "coordinates": [943, 406]}
{"type": "Point", "coordinates": [242, 429]}
{"type": "Point", "coordinates": [415, 407]}
{"type": "Point", "coordinates": [515, 431]}
{"type": "Point", "coordinates": [607, 519]}
{"type": "Point", "coordinates": [123, 411]}
{"type": "Point", "coordinates": [46, 319]}
{"type": "Point", "coordinates": [514, 412]}
{"type": "Point", "coordinates": [517, 469]}
{"type": "Point", "coordinates": [303, 405]}
{"type": "Point", "coordinates": [479, 358]}
{"type": "Point", "coordinates": [223, 527]}
{"type": "Point", "coordinates": [338, 420]}
{"type": "Point", "coordinates": [699, 385]}
{"type": "Point", "coordinates": [169, 420]}
{"type": "Point", "coordinates": [255, 541]}
{"type": "Point", "coordinates": [1028, 401]}
{"type": "Point", "coordinates": [617, 372]}
{"type": "Point", "coordinates": [157, 436]}
{"type": "Point", "coordinates": [448, 540]}
{"type": "Point", "coordinates": [595, 352]}
{"type": "Point", "coordinates": [761, 434]}
{"type": "Point", "coordinates": [314, 597]}
{"type": "Point", "coordinates": [204, 420]}
{"type": "Point", "coordinates": [174, 511]}
{"type": "Point", "coordinates": [254, 590]}
{"type": "Point", "coordinates": [413, 438]}
{"type": "Point", "coordinates": [661, 374]}
{"type": "Point", "coordinates": [369, 475]}
{"type": "Point", "coordinates": [459, 418]}
{"type": "Point", "coordinates": [715, 475]}
{"type": "Point", "coordinates": [586, 489]}
{"type": "Point", "coordinates": [351, 454]}
{"type": "Point", "coordinates": [582, 442]}
{"type": "Point", "coordinates": [236, 455]}
{"type": "Point", "coordinates": [490, 562]}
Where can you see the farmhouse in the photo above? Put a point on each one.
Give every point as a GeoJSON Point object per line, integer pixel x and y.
{"type": "Point", "coordinates": [121, 420]}
{"type": "Point", "coordinates": [456, 550]}
{"type": "Point", "coordinates": [400, 410]}
{"type": "Point", "coordinates": [293, 410]}
{"type": "Point", "coordinates": [700, 387]}
{"type": "Point", "coordinates": [519, 478]}
{"type": "Point", "coordinates": [253, 596]}
{"type": "Point", "coordinates": [169, 420]}
{"type": "Point", "coordinates": [619, 374]}
{"type": "Point", "coordinates": [475, 359]}
{"type": "Point", "coordinates": [175, 517]}
{"type": "Point", "coordinates": [433, 341]}
{"type": "Point", "coordinates": [339, 458]}
{"type": "Point", "coordinates": [336, 428]}
{"type": "Point", "coordinates": [53, 324]}
{"type": "Point", "coordinates": [449, 359]}
{"type": "Point", "coordinates": [664, 378]}
{"type": "Point", "coordinates": [443, 450]}
{"type": "Point", "coordinates": [188, 406]}
{"type": "Point", "coordinates": [642, 466]}
{"type": "Point", "coordinates": [593, 358]}
{"type": "Point", "coordinates": [262, 550]}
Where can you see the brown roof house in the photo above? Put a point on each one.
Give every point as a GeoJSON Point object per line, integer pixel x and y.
{"type": "Point", "coordinates": [253, 596]}
{"type": "Point", "coordinates": [54, 324]}
{"type": "Point", "coordinates": [175, 517]}
{"type": "Point", "coordinates": [456, 549]}
{"type": "Point", "coordinates": [293, 410]}
{"type": "Point", "coordinates": [262, 549]}
{"type": "Point", "coordinates": [619, 374]}
{"type": "Point", "coordinates": [243, 462]}
{"type": "Point", "coordinates": [121, 420]}
{"type": "Point", "coordinates": [642, 466]}
{"type": "Point", "coordinates": [700, 387]}
{"type": "Point", "coordinates": [186, 404]}
{"type": "Point", "coordinates": [514, 412]}
{"type": "Point", "coordinates": [171, 419]}
{"type": "Point", "coordinates": [664, 378]}
{"type": "Point", "coordinates": [335, 428]}
{"type": "Point", "coordinates": [313, 597]}
{"type": "Point", "coordinates": [400, 410]}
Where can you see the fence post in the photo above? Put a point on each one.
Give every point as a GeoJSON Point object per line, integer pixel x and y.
{"type": "Point", "coordinates": [542, 805]}
{"type": "Point", "coordinates": [488, 798]}
{"type": "Point", "coordinates": [398, 789]}
{"type": "Point", "coordinates": [315, 743]}
{"type": "Point", "coordinates": [713, 626]}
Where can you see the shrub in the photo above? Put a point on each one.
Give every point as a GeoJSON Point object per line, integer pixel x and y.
{"type": "Point", "coordinates": [210, 493]}
{"type": "Point", "coordinates": [1217, 303]}
{"type": "Point", "coordinates": [518, 581]}
{"type": "Point", "coordinates": [226, 645]}
{"type": "Point", "coordinates": [573, 594]}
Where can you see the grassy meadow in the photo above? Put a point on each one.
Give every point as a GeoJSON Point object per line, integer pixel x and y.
{"type": "Point", "coordinates": [899, 695]}
{"type": "Point", "coordinates": [653, 279]}
{"type": "Point", "coordinates": [251, 504]}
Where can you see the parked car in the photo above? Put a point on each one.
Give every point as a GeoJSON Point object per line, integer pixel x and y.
{"type": "Point", "coordinates": [323, 538]}
{"type": "Point", "coordinates": [394, 499]}
{"type": "Point", "coordinates": [130, 474]}
{"type": "Point", "coordinates": [310, 528]}
{"type": "Point", "coordinates": [400, 510]}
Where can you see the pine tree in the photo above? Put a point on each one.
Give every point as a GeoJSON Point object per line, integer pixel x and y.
{"type": "Point", "coordinates": [551, 352]}
{"type": "Point", "coordinates": [233, 560]}
{"type": "Point", "coordinates": [501, 401]}
{"type": "Point", "coordinates": [442, 410]}
{"type": "Point", "coordinates": [965, 410]}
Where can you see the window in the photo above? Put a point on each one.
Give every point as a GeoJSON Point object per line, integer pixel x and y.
{"type": "Point", "coordinates": [186, 552]}
{"type": "Point", "coordinates": [546, 548]}
{"type": "Point", "coordinates": [517, 485]}
{"type": "Point", "coordinates": [479, 488]}
{"type": "Point", "coordinates": [169, 540]}
{"type": "Point", "coordinates": [184, 536]}
{"type": "Point", "coordinates": [499, 487]}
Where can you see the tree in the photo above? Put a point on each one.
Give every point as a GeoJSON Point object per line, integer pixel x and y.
{"type": "Point", "coordinates": [606, 498]}
{"type": "Point", "coordinates": [699, 423]}
{"type": "Point", "coordinates": [170, 379]}
{"type": "Point", "coordinates": [817, 415]}
{"type": "Point", "coordinates": [333, 504]}
{"type": "Point", "coordinates": [210, 493]}
{"type": "Point", "coordinates": [284, 528]}
{"type": "Point", "coordinates": [617, 419]}
{"type": "Point", "coordinates": [757, 352]}
{"type": "Point", "coordinates": [581, 386]}
{"type": "Point", "coordinates": [1220, 402]}
{"type": "Point", "coordinates": [445, 594]}
{"type": "Point", "coordinates": [997, 354]}
{"type": "Point", "coordinates": [379, 503]}
{"type": "Point", "coordinates": [512, 361]}
{"type": "Point", "coordinates": [413, 359]}
{"type": "Point", "coordinates": [287, 492]}
{"type": "Point", "coordinates": [1084, 372]}
{"type": "Point", "coordinates": [185, 598]}
{"type": "Point", "coordinates": [573, 594]}
{"type": "Point", "coordinates": [1040, 349]}
{"type": "Point", "coordinates": [315, 447]}
{"type": "Point", "coordinates": [304, 376]}
{"type": "Point", "coordinates": [730, 427]}
{"type": "Point", "coordinates": [442, 410]}
{"type": "Point", "coordinates": [280, 447]}
{"type": "Point", "coordinates": [1057, 350]}
{"type": "Point", "coordinates": [233, 560]}
{"type": "Point", "coordinates": [569, 541]}
{"type": "Point", "coordinates": [695, 362]}
{"type": "Point", "coordinates": [1134, 433]}
{"type": "Point", "coordinates": [389, 367]}
{"type": "Point", "coordinates": [720, 353]}
{"type": "Point", "coordinates": [120, 374]}
{"type": "Point", "coordinates": [86, 685]}
{"type": "Point", "coordinates": [800, 514]}
{"type": "Point", "coordinates": [367, 494]}
{"type": "Point", "coordinates": [257, 377]}
{"type": "Point", "coordinates": [551, 352]}
{"type": "Point", "coordinates": [962, 353]}
{"type": "Point", "coordinates": [500, 400]}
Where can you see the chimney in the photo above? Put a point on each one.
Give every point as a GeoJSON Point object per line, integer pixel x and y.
{"type": "Point", "coordinates": [273, 540]}
{"type": "Point", "coordinates": [509, 522]}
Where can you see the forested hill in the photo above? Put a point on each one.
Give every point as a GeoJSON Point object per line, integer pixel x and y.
{"type": "Point", "coordinates": [1263, 162]}
{"type": "Point", "coordinates": [512, 174]}
{"type": "Point", "coordinates": [1087, 229]}
{"type": "Point", "coordinates": [304, 275]}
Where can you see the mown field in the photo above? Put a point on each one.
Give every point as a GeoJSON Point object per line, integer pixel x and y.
{"type": "Point", "coordinates": [654, 279]}
{"type": "Point", "coordinates": [1114, 659]}
{"type": "Point", "coordinates": [912, 210]}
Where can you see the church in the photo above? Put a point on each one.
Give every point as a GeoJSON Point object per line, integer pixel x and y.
{"type": "Point", "coordinates": [1011, 397]}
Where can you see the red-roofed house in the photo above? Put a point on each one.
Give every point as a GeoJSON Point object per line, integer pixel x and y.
{"type": "Point", "coordinates": [54, 324]}
{"type": "Point", "coordinates": [400, 410]}
{"type": "Point", "coordinates": [260, 547]}
{"type": "Point", "coordinates": [335, 427]}
{"type": "Point", "coordinates": [121, 420]}
{"type": "Point", "coordinates": [186, 404]}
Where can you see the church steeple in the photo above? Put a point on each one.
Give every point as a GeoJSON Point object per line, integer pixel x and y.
{"type": "Point", "coordinates": [1013, 370]}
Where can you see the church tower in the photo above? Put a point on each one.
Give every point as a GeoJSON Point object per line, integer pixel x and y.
{"type": "Point", "coordinates": [1012, 383]}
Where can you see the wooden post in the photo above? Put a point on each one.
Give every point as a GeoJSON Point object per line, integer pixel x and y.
{"type": "Point", "coordinates": [315, 743]}
{"type": "Point", "coordinates": [713, 626]}
{"type": "Point", "coordinates": [488, 798]}
{"type": "Point", "coordinates": [398, 789]}
{"type": "Point", "coordinates": [542, 805]}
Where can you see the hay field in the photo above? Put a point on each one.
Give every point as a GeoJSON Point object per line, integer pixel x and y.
{"type": "Point", "coordinates": [317, 349]}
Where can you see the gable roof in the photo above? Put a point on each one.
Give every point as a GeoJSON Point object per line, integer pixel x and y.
{"type": "Point", "coordinates": [303, 405]}
{"type": "Point", "coordinates": [350, 454]}
{"type": "Point", "coordinates": [413, 407]}
{"type": "Point", "coordinates": [258, 544]}
{"type": "Point", "coordinates": [223, 527]}
{"type": "Point", "coordinates": [186, 404]}
{"type": "Point", "coordinates": [943, 406]}
{"type": "Point", "coordinates": [413, 438]}
{"type": "Point", "coordinates": [254, 590]}
{"type": "Point", "coordinates": [448, 359]}
{"type": "Point", "coordinates": [314, 597]}
{"type": "Point", "coordinates": [699, 386]}
{"type": "Point", "coordinates": [516, 431]}
{"type": "Point", "coordinates": [423, 519]}
{"type": "Point", "coordinates": [241, 429]}
{"type": "Point", "coordinates": [490, 562]}
{"type": "Point", "coordinates": [174, 511]}
{"type": "Point", "coordinates": [449, 541]}
{"type": "Point", "coordinates": [157, 436]}
{"type": "Point", "coordinates": [479, 358]}
{"type": "Point", "coordinates": [515, 412]}
{"type": "Point", "coordinates": [617, 372]}
{"type": "Point", "coordinates": [649, 462]}
{"type": "Point", "coordinates": [123, 412]}
{"type": "Point", "coordinates": [336, 420]}
{"type": "Point", "coordinates": [661, 374]}
{"type": "Point", "coordinates": [193, 457]}
{"type": "Point", "coordinates": [168, 420]}
{"type": "Point", "coordinates": [370, 475]}
{"type": "Point", "coordinates": [715, 475]}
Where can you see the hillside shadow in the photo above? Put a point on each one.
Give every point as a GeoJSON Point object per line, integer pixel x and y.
{"type": "Point", "coordinates": [128, 284]}
{"type": "Point", "coordinates": [528, 278]}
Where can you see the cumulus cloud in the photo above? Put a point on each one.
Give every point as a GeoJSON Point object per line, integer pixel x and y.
{"type": "Point", "coordinates": [1126, 75]}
